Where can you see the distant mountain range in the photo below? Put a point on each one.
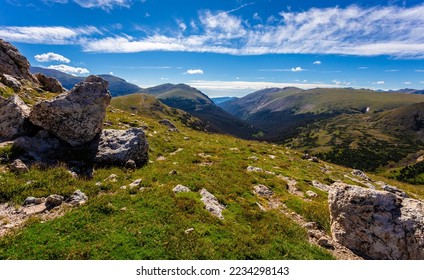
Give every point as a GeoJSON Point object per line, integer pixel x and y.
{"type": "Point", "coordinates": [117, 86]}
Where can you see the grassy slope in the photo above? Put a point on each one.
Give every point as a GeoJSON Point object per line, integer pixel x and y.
{"type": "Point", "coordinates": [150, 224]}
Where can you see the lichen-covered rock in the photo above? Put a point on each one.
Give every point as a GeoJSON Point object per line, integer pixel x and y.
{"type": "Point", "coordinates": [180, 188]}
{"type": "Point", "coordinates": [377, 224]}
{"type": "Point", "coordinates": [77, 198]}
{"type": "Point", "coordinates": [40, 147]}
{"type": "Point", "coordinates": [169, 124]}
{"type": "Point", "coordinates": [10, 81]}
{"type": "Point", "coordinates": [212, 204]}
{"type": "Point", "coordinates": [18, 166]}
{"type": "Point", "coordinates": [13, 63]}
{"type": "Point", "coordinates": [49, 83]}
{"type": "Point", "coordinates": [262, 191]}
{"type": "Point", "coordinates": [13, 117]}
{"type": "Point", "coordinates": [76, 117]}
{"type": "Point", "coordinates": [53, 200]}
{"type": "Point", "coordinates": [117, 147]}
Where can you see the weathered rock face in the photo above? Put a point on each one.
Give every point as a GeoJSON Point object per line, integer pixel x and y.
{"type": "Point", "coordinates": [77, 117]}
{"type": "Point", "coordinates": [40, 147]}
{"type": "Point", "coordinates": [49, 83]}
{"type": "Point", "coordinates": [211, 203]}
{"type": "Point", "coordinates": [117, 147]}
{"type": "Point", "coordinates": [377, 224]}
{"type": "Point", "coordinates": [13, 63]}
{"type": "Point", "coordinates": [10, 81]}
{"type": "Point", "coordinates": [13, 117]}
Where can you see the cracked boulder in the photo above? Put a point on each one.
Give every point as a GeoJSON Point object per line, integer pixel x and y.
{"type": "Point", "coordinates": [76, 117]}
{"type": "Point", "coordinates": [377, 224]}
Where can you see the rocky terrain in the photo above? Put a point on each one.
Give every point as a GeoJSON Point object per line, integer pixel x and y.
{"type": "Point", "coordinates": [150, 187]}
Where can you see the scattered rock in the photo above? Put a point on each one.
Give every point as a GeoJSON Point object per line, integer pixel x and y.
{"type": "Point", "coordinates": [320, 186]}
{"type": "Point", "coordinates": [11, 82]}
{"type": "Point", "coordinates": [187, 231]}
{"type": "Point", "coordinates": [233, 149]}
{"type": "Point", "coordinates": [292, 186]}
{"type": "Point", "coordinates": [310, 225]}
{"type": "Point", "coordinates": [53, 200]}
{"type": "Point", "coordinates": [173, 172]}
{"type": "Point", "coordinates": [169, 124]}
{"type": "Point", "coordinates": [161, 158]}
{"type": "Point", "coordinates": [76, 117]}
{"type": "Point", "coordinates": [77, 198]}
{"type": "Point", "coordinates": [360, 174]}
{"type": "Point", "coordinates": [112, 178]}
{"type": "Point", "coordinates": [272, 157]}
{"type": "Point", "coordinates": [117, 147]}
{"type": "Point", "coordinates": [49, 83]}
{"type": "Point", "coordinates": [306, 156]}
{"type": "Point", "coordinates": [377, 224]}
{"type": "Point", "coordinates": [254, 169]}
{"type": "Point", "coordinates": [255, 158]}
{"type": "Point", "coordinates": [13, 117]}
{"type": "Point", "coordinates": [392, 189]}
{"type": "Point", "coordinates": [314, 159]}
{"type": "Point", "coordinates": [33, 201]}
{"type": "Point", "coordinates": [176, 151]}
{"type": "Point", "coordinates": [212, 204]}
{"type": "Point", "coordinates": [135, 183]}
{"type": "Point", "coordinates": [325, 242]}
{"type": "Point", "coordinates": [262, 191]}
{"type": "Point", "coordinates": [18, 166]}
{"type": "Point", "coordinates": [186, 138]}
{"type": "Point", "coordinates": [130, 164]}
{"type": "Point", "coordinates": [311, 194]}
{"type": "Point", "coordinates": [180, 188]}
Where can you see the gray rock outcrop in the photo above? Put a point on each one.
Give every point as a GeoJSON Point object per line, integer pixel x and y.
{"type": "Point", "coordinates": [13, 63]}
{"type": "Point", "coordinates": [53, 200]}
{"type": "Point", "coordinates": [212, 204]}
{"type": "Point", "coordinates": [169, 124]}
{"type": "Point", "coordinates": [262, 191]}
{"type": "Point", "coordinates": [180, 188]}
{"type": "Point", "coordinates": [10, 81]}
{"type": "Point", "coordinates": [76, 117]}
{"type": "Point", "coordinates": [77, 198]}
{"type": "Point", "coordinates": [40, 147]}
{"type": "Point", "coordinates": [117, 147]}
{"type": "Point", "coordinates": [13, 117]}
{"type": "Point", "coordinates": [49, 83]}
{"type": "Point", "coordinates": [377, 224]}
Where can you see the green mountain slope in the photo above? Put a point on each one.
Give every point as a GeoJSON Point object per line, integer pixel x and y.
{"type": "Point", "coordinates": [195, 102]}
{"type": "Point", "coordinates": [365, 141]}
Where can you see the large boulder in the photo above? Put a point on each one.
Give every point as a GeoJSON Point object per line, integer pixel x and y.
{"type": "Point", "coordinates": [49, 83]}
{"type": "Point", "coordinates": [377, 224]}
{"type": "Point", "coordinates": [13, 63]}
{"type": "Point", "coordinates": [117, 147]}
{"type": "Point", "coordinates": [13, 117]}
{"type": "Point", "coordinates": [40, 147]}
{"type": "Point", "coordinates": [76, 117]}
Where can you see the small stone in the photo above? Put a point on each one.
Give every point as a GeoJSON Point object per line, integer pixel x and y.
{"type": "Point", "coordinates": [254, 169]}
{"type": "Point", "coordinates": [173, 172]}
{"type": "Point", "coordinates": [18, 166]}
{"type": "Point", "coordinates": [311, 194]}
{"type": "Point", "coordinates": [324, 242]}
{"type": "Point", "coordinates": [33, 200]}
{"type": "Point", "coordinates": [135, 183]}
{"type": "Point", "coordinates": [123, 187]}
{"type": "Point", "coordinates": [53, 201]}
{"type": "Point", "coordinates": [314, 159]}
{"type": "Point", "coordinates": [130, 164]}
{"type": "Point", "coordinates": [180, 188]}
{"type": "Point", "coordinates": [169, 124]}
{"type": "Point", "coordinates": [111, 178]}
{"type": "Point", "coordinates": [73, 174]}
{"type": "Point", "coordinates": [161, 158]}
{"type": "Point", "coordinates": [272, 157]}
{"type": "Point", "coordinates": [124, 209]}
{"type": "Point", "coordinates": [233, 149]}
{"type": "Point", "coordinates": [360, 174]}
{"type": "Point", "coordinates": [253, 158]}
{"type": "Point", "coordinates": [98, 184]}
{"type": "Point", "coordinates": [187, 231]}
{"type": "Point", "coordinates": [310, 225]}
{"type": "Point", "coordinates": [262, 191]}
{"type": "Point", "coordinates": [77, 198]}
{"type": "Point", "coordinates": [186, 138]}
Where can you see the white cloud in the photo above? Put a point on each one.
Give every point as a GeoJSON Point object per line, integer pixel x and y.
{"type": "Point", "coordinates": [317, 62]}
{"type": "Point", "coordinates": [55, 35]}
{"type": "Point", "coordinates": [419, 70]}
{"type": "Point", "coordinates": [69, 69]}
{"type": "Point", "coordinates": [182, 25]}
{"type": "Point", "coordinates": [104, 4]}
{"type": "Point", "coordinates": [111, 73]}
{"type": "Point", "coordinates": [407, 83]}
{"type": "Point", "coordinates": [47, 57]}
{"type": "Point", "coordinates": [146, 15]}
{"type": "Point", "coordinates": [362, 68]}
{"type": "Point", "coordinates": [297, 69]}
{"type": "Point", "coordinates": [194, 72]}
{"type": "Point", "coordinates": [380, 83]}
{"type": "Point", "coordinates": [391, 70]}
{"type": "Point", "coordinates": [256, 16]}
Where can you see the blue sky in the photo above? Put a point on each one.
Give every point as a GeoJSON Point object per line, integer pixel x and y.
{"type": "Point", "coordinates": [230, 47]}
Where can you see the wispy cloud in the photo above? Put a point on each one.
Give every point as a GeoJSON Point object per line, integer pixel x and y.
{"type": "Point", "coordinates": [379, 83]}
{"type": "Point", "coordinates": [362, 68]}
{"type": "Point", "coordinates": [391, 70]}
{"type": "Point", "coordinates": [47, 57]}
{"type": "Point", "coordinates": [194, 72]}
{"type": "Point", "coordinates": [381, 30]}
{"type": "Point", "coordinates": [69, 69]}
{"type": "Point", "coordinates": [102, 4]}
{"type": "Point", "coordinates": [419, 70]}
{"type": "Point", "coordinates": [55, 35]}
{"type": "Point", "coordinates": [317, 62]}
